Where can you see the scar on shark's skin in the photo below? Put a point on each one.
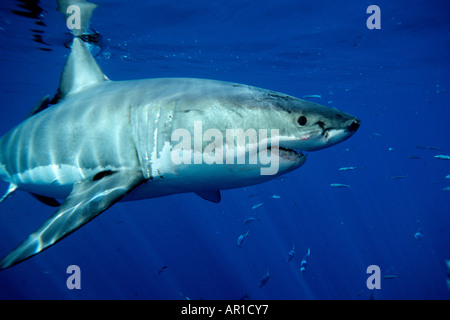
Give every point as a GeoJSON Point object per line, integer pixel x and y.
{"type": "Point", "coordinates": [108, 141]}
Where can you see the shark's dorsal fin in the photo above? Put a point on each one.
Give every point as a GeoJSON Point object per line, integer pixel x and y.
{"type": "Point", "coordinates": [80, 71]}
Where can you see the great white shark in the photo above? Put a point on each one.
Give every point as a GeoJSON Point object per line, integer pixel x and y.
{"type": "Point", "coordinates": [99, 141]}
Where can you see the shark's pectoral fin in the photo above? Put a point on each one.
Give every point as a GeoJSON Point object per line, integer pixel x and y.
{"type": "Point", "coordinates": [88, 199]}
{"type": "Point", "coordinates": [210, 195]}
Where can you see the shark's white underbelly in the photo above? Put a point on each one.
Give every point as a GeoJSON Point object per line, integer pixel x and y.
{"type": "Point", "coordinates": [55, 180]}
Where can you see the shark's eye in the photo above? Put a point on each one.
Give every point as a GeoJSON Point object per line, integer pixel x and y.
{"type": "Point", "coordinates": [302, 120]}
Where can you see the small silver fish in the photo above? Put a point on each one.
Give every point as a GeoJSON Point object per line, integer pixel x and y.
{"type": "Point", "coordinates": [447, 262]}
{"type": "Point", "coordinates": [446, 189]}
{"type": "Point", "coordinates": [264, 279]}
{"type": "Point", "coordinates": [250, 219]}
{"type": "Point", "coordinates": [256, 206]}
{"type": "Point", "coordinates": [305, 261]}
{"type": "Point", "coordinates": [164, 268]}
{"type": "Point", "coordinates": [184, 297]}
{"type": "Point", "coordinates": [418, 235]}
{"type": "Point", "coordinates": [442, 157]}
{"type": "Point", "coordinates": [241, 238]}
{"type": "Point", "coordinates": [347, 168]}
{"type": "Point", "coordinates": [291, 254]}
{"type": "Point", "coordinates": [339, 185]}
{"type": "Point", "coordinates": [244, 297]}
{"type": "Point", "coordinates": [447, 176]}
{"type": "Point", "coordinates": [313, 96]}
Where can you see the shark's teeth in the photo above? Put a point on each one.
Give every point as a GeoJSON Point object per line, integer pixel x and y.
{"type": "Point", "coordinates": [290, 154]}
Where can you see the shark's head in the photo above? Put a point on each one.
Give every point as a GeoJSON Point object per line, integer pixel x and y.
{"type": "Point", "coordinates": [310, 126]}
{"type": "Point", "coordinates": [247, 122]}
{"type": "Point", "coordinates": [302, 126]}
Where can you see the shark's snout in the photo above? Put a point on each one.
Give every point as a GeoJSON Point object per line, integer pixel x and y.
{"type": "Point", "coordinates": [354, 125]}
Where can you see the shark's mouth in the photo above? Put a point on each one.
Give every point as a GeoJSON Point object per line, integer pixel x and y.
{"type": "Point", "coordinates": [287, 154]}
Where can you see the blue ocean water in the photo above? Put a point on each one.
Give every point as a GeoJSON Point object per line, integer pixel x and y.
{"type": "Point", "coordinates": [395, 79]}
